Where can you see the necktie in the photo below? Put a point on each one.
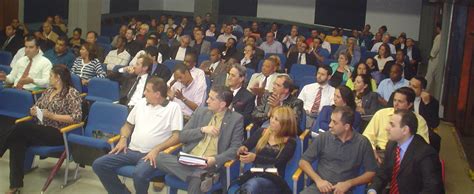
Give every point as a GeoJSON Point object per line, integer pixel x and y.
{"type": "Point", "coordinates": [395, 171]}
{"type": "Point", "coordinates": [25, 74]}
{"type": "Point", "coordinates": [317, 101]}
{"type": "Point", "coordinates": [134, 87]}
{"type": "Point", "coordinates": [299, 58]}
{"type": "Point", "coordinates": [264, 83]}
{"type": "Point", "coordinates": [6, 43]}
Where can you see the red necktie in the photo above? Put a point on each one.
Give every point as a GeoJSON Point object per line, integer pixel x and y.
{"type": "Point", "coordinates": [395, 171]}
{"type": "Point", "coordinates": [25, 74]}
{"type": "Point", "coordinates": [317, 101]}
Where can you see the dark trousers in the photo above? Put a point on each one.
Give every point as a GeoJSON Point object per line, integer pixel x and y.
{"type": "Point", "coordinates": [25, 135]}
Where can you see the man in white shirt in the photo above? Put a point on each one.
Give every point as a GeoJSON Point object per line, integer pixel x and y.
{"type": "Point", "coordinates": [317, 95]}
{"type": "Point", "coordinates": [118, 56]}
{"type": "Point", "coordinates": [31, 71]}
{"type": "Point", "coordinates": [271, 45]}
{"type": "Point", "coordinates": [152, 126]}
{"type": "Point", "coordinates": [190, 62]}
{"type": "Point", "coordinates": [132, 90]}
{"type": "Point", "coordinates": [179, 52]}
{"type": "Point", "coordinates": [386, 40]}
{"type": "Point", "coordinates": [227, 34]}
{"type": "Point", "coordinates": [188, 92]}
{"type": "Point", "coordinates": [261, 82]}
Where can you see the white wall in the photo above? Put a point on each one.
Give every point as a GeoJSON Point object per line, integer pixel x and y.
{"type": "Point", "coordinates": [397, 15]}
{"type": "Point", "coordinates": [291, 10]}
{"type": "Point", "coordinates": [168, 5]}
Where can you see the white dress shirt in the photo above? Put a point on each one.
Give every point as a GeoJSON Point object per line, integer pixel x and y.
{"type": "Point", "coordinates": [39, 72]}
{"type": "Point", "coordinates": [142, 52]}
{"type": "Point", "coordinates": [194, 92]}
{"type": "Point", "coordinates": [138, 94]}
{"type": "Point", "coordinates": [180, 54]}
{"type": "Point", "coordinates": [417, 104]}
{"type": "Point", "coordinates": [309, 92]}
{"type": "Point", "coordinates": [19, 54]}
{"type": "Point", "coordinates": [303, 58]}
{"type": "Point", "coordinates": [114, 58]}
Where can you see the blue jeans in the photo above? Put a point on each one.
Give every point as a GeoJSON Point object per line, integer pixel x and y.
{"type": "Point", "coordinates": [106, 166]}
{"type": "Point", "coordinates": [259, 185]}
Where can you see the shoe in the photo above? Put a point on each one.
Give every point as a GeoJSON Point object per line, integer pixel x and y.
{"type": "Point", "coordinates": [158, 186]}
{"type": "Point", "coordinates": [13, 191]}
{"type": "Point", "coordinates": [207, 180]}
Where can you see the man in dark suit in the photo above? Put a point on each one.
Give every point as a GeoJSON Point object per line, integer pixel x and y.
{"type": "Point", "coordinates": [409, 158]}
{"type": "Point", "coordinates": [428, 107]}
{"type": "Point", "coordinates": [281, 95]}
{"type": "Point", "coordinates": [12, 41]}
{"type": "Point", "coordinates": [199, 44]}
{"type": "Point", "coordinates": [300, 57]}
{"type": "Point", "coordinates": [243, 101]}
{"type": "Point", "coordinates": [215, 65]}
{"type": "Point", "coordinates": [413, 53]}
{"type": "Point", "coordinates": [178, 52]}
{"type": "Point", "coordinates": [213, 132]}
{"type": "Point", "coordinates": [157, 69]}
{"type": "Point", "coordinates": [248, 57]}
{"type": "Point", "coordinates": [133, 84]}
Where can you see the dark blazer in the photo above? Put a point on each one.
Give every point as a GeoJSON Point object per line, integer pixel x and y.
{"type": "Point", "coordinates": [293, 59]}
{"type": "Point", "coordinates": [430, 112]}
{"type": "Point", "coordinates": [416, 55]}
{"type": "Point", "coordinates": [409, 71]}
{"type": "Point", "coordinates": [161, 71]}
{"type": "Point", "coordinates": [164, 49]}
{"type": "Point", "coordinates": [370, 103]}
{"type": "Point", "coordinates": [205, 46]}
{"type": "Point", "coordinates": [14, 45]}
{"type": "Point", "coordinates": [231, 52]}
{"type": "Point", "coordinates": [420, 169]}
{"type": "Point", "coordinates": [220, 69]}
{"type": "Point", "coordinates": [244, 103]}
{"type": "Point", "coordinates": [230, 135]}
{"type": "Point", "coordinates": [127, 84]}
{"type": "Point", "coordinates": [174, 51]}
{"type": "Point", "coordinates": [260, 113]}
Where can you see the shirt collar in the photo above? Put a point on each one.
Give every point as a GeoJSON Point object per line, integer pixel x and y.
{"type": "Point", "coordinates": [404, 145]}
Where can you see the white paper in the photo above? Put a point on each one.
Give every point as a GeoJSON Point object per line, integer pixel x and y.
{"type": "Point", "coordinates": [39, 114]}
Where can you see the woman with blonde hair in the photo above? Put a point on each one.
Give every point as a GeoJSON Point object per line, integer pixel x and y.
{"type": "Point", "coordinates": [271, 147]}
{"type": "Point", "coordinates": [278, 62]}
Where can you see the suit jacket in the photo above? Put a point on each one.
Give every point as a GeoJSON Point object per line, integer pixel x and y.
{"type": "Point", "coordinates": [220, 69]}
{"type": "Point", "coordinates": [174, 51]}
{"type": "Point", "coordinates": [260, 113]}
{"type": "Point", "coordinates": [14, 45]}
{"type": "Point", "coordinates": [293, 59]}
{"type": "Point", "coordinates": [420, 169]}
{"type": "Point", "coordinates": [244, 103]}
{"type": "Point", "coordinates": [161, 71]}
{"type": "Point", "coordinates": [127, 83]}
{"type": "Point", "coordinates": [230, 136]}
{"type": "Point", "coordinates": [205, 46]}
{"type": "Point", "coordinates": [164, 49]}
{"type": "Point", "coordinates": [370, 103]}
{"type": "Point", "coordinates": [430, 112]}
{"type": "Point", "coordinates": [231, 52]}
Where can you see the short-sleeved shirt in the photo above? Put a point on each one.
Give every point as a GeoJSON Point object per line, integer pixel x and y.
{"type": "Point", "coordinates": [153, 124]}
{"type": "Point", "coordinates": [338, 161]}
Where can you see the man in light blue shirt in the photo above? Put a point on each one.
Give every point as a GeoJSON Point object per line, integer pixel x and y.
{"type": "Point", "coordinates": [271, 45]}
{"type": "Point", "coordinates": [387, 86]}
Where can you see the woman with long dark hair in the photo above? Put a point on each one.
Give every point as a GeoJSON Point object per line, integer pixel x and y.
{"type": "Point", "coordinates": [343, 96]}
{"type": "Point", "coordinates": [60, 105]}
{"type": "Point", "coordinates": [373, 69]}
{"type": "Point", "coordinates": [367, 102]}
{"type": "Point", "coordinates": [361, 69]}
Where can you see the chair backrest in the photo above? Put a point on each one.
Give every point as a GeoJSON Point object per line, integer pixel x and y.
{"type": "Point", "coordinates": [107, 47]}
{"type": "Point", "coordinates": [201, 58]}
{"type": "Point", "coordinates": [299, 71]}
{"type": "Point", "coordinates": [5, 58]}
{"type": "Point", "coordinates": [259, 66]}
{"type": "Point", "coordinates": [15, 103]}
{"type": "Point", "coordinates": [249, 74]}
{"type": "Point", "coordinates": [217, 44]}
{"type": "Point", "coordinates": [103, 39]}
{"type": "Point", "coordinates": [103, 88]}
{"type": "Point", "coordinates": [170, 63]}
{"type": "Point", "coordinates": [76, 82]}
{"type": "Point", "coordinates": [334, 48]}
{"type": "Point", "coordinates": [5, 68]}
{"type": "Point", "coordinates": [106, 117]}
{"type": "Point", "coordinates": [211, 39]}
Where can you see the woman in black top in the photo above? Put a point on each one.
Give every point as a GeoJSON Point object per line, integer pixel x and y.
{"type": "Point", "coordinates": [274, 147]}
{"type": "Point", "coordinates": [228, 50]}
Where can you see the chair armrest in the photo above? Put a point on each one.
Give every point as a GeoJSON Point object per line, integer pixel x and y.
{"type": "Point", "coordinates": [173, 149]}
{"type": "Point", "coordinates": [304, 134]}
{"type": "Point", "coordinates": [297, 174]}
{"type": "Point", "coordinates": [249, 127]}
{"type": "Point", "coordinates": [24, 119]}
{"type": "Point", "coordinates": [82, 95]}
{"type": "Point", "coordinates": [232, 171]}
{"type": "Point", "coordinates": [39, 91]}
{"type": "Point", "coordinates": [113, 139]}
{"type": "Point", "coordinates": [229, 163]}
{"type": "Point", "coordinates": [71, 127]}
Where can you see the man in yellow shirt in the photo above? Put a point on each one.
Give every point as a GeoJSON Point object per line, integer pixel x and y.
{"type": "Point", "coordinates": [403, 99]}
